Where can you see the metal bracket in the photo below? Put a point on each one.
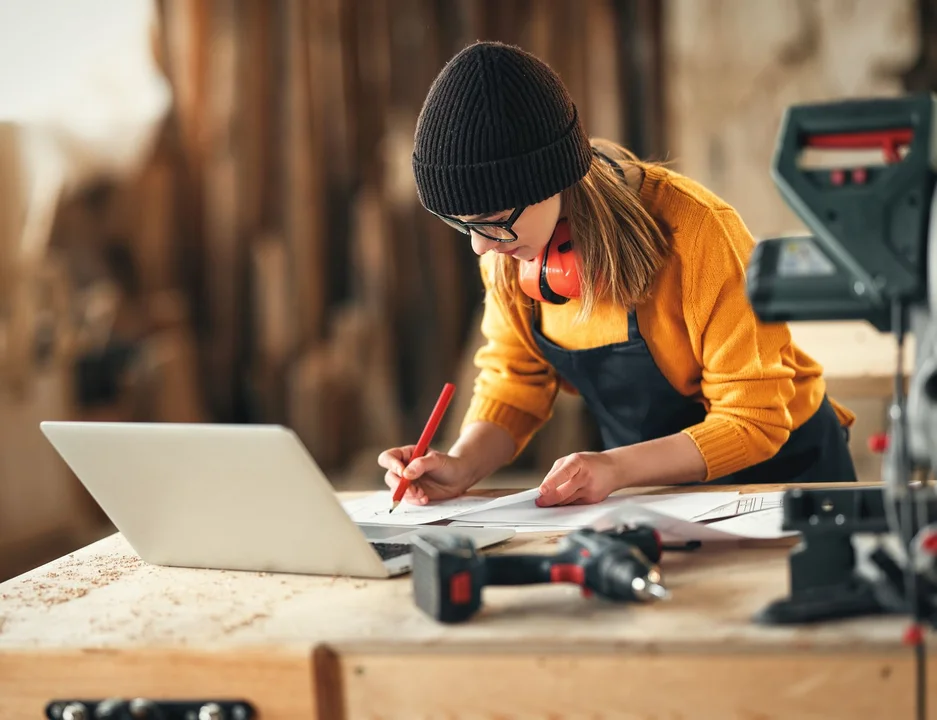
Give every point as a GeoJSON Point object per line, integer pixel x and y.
{"type": "Point", "coordinates": [146, 709]}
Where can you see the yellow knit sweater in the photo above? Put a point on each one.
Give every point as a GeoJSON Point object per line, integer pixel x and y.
{"type": "Point", "coordinates": [756, 385]}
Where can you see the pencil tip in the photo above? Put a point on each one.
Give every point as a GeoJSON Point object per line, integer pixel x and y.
{"type": "Point", "coordinates": [394, 507]}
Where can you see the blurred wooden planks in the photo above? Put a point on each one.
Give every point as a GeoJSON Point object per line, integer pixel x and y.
{"type": "Point", "coordinates": [303, 238]}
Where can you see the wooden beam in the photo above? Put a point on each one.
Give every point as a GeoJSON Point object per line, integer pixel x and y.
{"type": "Point", "coordinates": [641, 97]}
{"type": "Point", "coordinates": [273, 332]}
{"type": "Point", "coordinates": [301, 150]}
{"type": "Point", "coordinates": [255, 111]}
{"type": "Point", "coordinates": [222, 213]}
{"type": "Point", "coordinates": [185, 34]}
{"type": "Point", "coordinates": [602, 111]}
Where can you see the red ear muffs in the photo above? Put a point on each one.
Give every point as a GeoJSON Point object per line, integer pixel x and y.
{"type": "Point", "coordinates": [553, 276]}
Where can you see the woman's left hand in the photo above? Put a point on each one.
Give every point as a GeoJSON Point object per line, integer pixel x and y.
{"type": "Point", "coordinates": [582, 478]}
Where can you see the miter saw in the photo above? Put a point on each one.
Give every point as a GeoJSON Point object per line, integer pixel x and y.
{"type": "Point", "coordinates": [861, 174]}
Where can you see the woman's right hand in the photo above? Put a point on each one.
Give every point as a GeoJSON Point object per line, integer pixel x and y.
{"type": "Point", "coordinates": [435, 476]}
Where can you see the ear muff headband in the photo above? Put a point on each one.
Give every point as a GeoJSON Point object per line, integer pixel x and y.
{"type": "Point", "coordinates": [553, 276]}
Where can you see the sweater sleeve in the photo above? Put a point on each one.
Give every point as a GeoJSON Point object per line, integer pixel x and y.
{"type": "Point", "coordinates": [744, 379]}
{"type": "Point", "coordinates": [515, 387]}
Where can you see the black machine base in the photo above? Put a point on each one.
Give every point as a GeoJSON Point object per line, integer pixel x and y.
{"type": "Point", "coordinates": [829, 603]}
{"type": "Point", "coordinates": [824, 579]}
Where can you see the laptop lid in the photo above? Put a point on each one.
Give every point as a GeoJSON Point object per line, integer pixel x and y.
{"type": "Point", "coordinates": [234, 497]}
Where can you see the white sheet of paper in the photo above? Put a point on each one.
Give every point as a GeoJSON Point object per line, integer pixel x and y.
{"type": "Point", "coordinates": [757, 516]}
{"type": "Point", "coordinates": [687, 506]}
{"type": "Point", "coordinates": [753, 516]}
{"type": "Point", "coordinates": [520, 529]}
{"type": "Point", "coordinates": [764, 523]}
{"type": "Point", "coordinates": [521, 508]}
{"type": "Point", "coordinates": [743, 505]}
{"type": "Point", "coordinates": [674, 529]}
{"type": "Point", "coordinates": [375, 509]}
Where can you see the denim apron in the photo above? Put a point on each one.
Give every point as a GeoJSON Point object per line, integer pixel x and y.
{"type": "Point", "coordinates": [631, 402]}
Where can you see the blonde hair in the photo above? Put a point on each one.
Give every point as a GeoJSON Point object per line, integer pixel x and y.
{"type": "Point", "coordinates": [621, 247]}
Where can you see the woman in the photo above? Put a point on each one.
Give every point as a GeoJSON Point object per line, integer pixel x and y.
{"type": "Point", "coordinates": [653, 328]}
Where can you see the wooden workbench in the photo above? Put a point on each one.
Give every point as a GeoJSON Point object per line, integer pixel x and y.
{"type": "Point", "coordinates": [101, 623]}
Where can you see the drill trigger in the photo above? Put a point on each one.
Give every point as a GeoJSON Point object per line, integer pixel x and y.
{"type": "Point", "coordinates": [567, 573]}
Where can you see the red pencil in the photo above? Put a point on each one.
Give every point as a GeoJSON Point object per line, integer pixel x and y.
{"type": "Point", "coordinates": [426, 438]}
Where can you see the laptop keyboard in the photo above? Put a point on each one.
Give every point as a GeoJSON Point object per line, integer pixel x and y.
{"type": "Point", "coordinates": [392, 550]}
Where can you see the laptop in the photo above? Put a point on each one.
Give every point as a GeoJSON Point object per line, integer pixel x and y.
{"type": "Point", "coordinates": [231, 497]}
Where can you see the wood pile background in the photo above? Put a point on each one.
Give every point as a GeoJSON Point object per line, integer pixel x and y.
{"type": "Point", "coordinates": [277, 232]}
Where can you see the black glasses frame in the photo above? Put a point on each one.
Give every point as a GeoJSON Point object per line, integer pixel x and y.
{"type": "Point", "coordinates": [478, 225]}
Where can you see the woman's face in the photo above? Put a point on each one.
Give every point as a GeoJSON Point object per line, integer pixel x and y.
{"type": "Point", "coordinates": [533, 228]}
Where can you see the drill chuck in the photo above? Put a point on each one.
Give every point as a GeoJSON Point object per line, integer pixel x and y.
{"type": "Point", "coordinates": [649, 587]}
{"type": "Point", "coordinates": [628, 575]}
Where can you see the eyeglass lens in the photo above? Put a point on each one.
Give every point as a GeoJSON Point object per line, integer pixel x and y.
{"type": "Point", "coordinates": [492, 232]}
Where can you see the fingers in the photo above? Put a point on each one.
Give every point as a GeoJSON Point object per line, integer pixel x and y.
{"type": "Point", "coordinates": [395, 462]}
{"type": "Point", "coordinates": [431, 462]}
{"type": "Point", "coordinates": [561, 484]}
{"type": "Point", "coordinates": [580, 498]}
{"type": "Point", "coordinates": [414, 494]}
{"type": "Point", "coordinates": [395, 459]}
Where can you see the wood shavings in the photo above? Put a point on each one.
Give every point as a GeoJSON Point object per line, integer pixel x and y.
{"type": "Point", "coordinates": [49, 595]}
{"type": "Point", "coordinates": [246, 622]}
{"type": "Point", "coordinates": [71, 579]}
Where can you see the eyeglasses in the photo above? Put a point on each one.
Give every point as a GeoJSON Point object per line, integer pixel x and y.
{"type": "Point", "coordinates": [500, 230]}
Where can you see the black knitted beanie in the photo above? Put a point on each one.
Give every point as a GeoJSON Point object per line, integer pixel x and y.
{"type": "Point", "coordinates": [497, 130]}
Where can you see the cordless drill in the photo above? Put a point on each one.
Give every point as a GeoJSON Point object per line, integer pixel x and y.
{"type": "Point", "coordinates": [621, 565]}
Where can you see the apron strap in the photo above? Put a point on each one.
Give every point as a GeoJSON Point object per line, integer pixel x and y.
{"type": "Point", "coordinates": [634, 331]}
